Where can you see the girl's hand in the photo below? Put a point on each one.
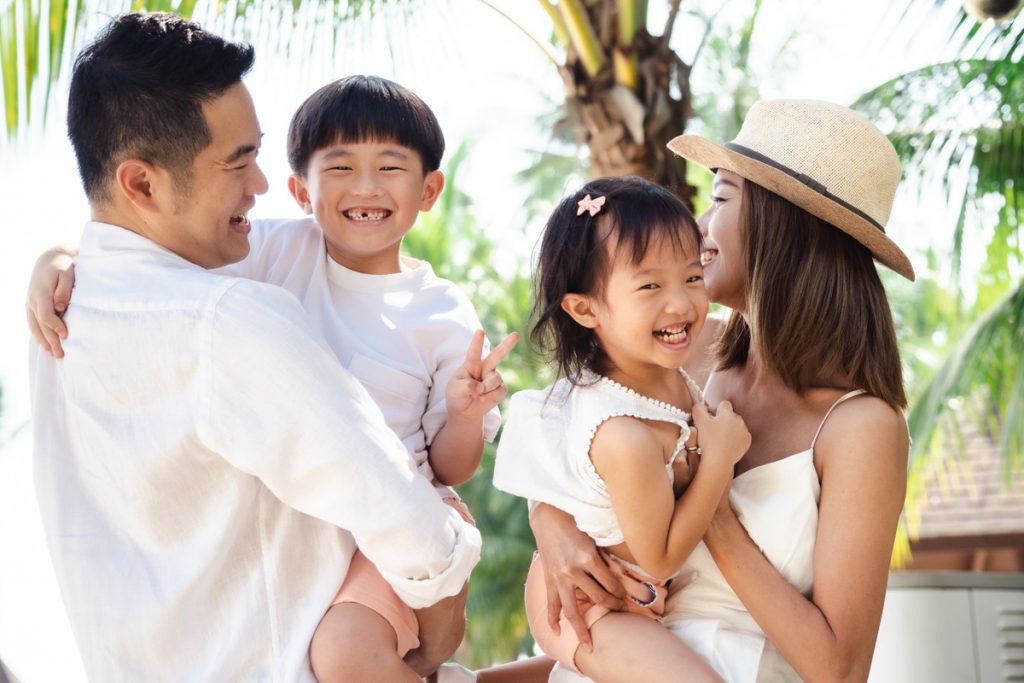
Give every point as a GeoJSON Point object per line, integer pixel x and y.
{"type": "Point", "coordinates": [477, 386]}
{"type": "Point", "coordinates": [49, 293]}
{"type": "Point", "coordinates": [571, 563]}
{"type": "Point", "coordinates": [724, 435]}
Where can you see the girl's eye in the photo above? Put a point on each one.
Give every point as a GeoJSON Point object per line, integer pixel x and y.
{"type": "Point", "coordinates": [717, 200]}
{"type": "Point", "coordinates": [694, 278]}
{"type": "Point", "coordinates": [649, 286]}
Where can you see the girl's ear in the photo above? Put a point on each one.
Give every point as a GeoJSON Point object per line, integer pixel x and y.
{"type": "Point", "coordinates": [580, 308]}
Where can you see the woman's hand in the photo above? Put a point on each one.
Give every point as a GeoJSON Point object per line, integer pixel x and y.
{"type": "Point", "coordinates": [571, 563]}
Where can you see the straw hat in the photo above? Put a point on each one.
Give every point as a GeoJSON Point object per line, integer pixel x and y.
{"type": "Point", "coordinates": [825, 158]}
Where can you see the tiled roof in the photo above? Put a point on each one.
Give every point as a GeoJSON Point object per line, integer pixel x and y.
{"type": "Point", "coordinates": [968, 495]}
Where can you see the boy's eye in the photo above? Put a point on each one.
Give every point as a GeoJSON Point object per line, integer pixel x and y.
{"type": "Point", "coordinates": [240, 168]}
{"type": "Point", "coordinates": [391, 168]}
{"type": "Point", "coordinates": [694, 278]}
{"type": "Point", "coordinates": [649, 286]}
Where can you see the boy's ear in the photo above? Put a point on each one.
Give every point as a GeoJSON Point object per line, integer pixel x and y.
{"type": "Point", "coordinates": [580, 308]}
{"type": "Point", "coordinates": [139, 182]}
{"type": "Point", "coordinates": [433, 185]}
{"type": "Point", "coordinates": [297, 186]}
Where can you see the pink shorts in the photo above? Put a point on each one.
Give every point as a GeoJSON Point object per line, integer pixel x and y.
{"type": "Point", "coordinates": [365, 586]}
{"type": "Point", "coordinates": [646, 597]}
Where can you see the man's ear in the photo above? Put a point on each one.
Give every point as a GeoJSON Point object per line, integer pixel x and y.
{"type": "Point", "coordinates": [139, 182]}
{"type": "Point", "coordinates": [580, 308]}
{"type": "Point", "coordinates": [297, 186]}
{"type": "Point", "coordinates": [433, 185]}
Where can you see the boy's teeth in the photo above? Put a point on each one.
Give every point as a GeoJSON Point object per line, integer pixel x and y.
{"type": "Point", "coordinates": [367, 214]}
{"type": "Point", "coordinates": [239, 220]}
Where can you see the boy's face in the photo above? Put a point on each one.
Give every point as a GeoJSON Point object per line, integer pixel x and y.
{"type": "Point", "coordinates": [366, 197]}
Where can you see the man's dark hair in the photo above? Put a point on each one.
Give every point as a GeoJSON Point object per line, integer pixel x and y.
{"type": "Point", "coordinates": [360, 109]}
{"type": "Point", "coordinates": [137, 92]}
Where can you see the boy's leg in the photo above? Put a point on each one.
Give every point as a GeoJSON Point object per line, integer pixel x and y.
{"type": "Point", "coordinates": [354, 644]}
{"type": "Point", "coordinates": [632, 648]}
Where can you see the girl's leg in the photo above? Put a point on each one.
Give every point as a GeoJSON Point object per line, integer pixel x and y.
{"type": "Point", "coordinates": [354, 644]}
{"type": "Point", "coordinates": [531, 670]}
{"type": "Point", "coordinates": [632, 648]}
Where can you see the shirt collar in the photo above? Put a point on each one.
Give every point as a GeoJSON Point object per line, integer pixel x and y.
{"type": "Point", "coordinates": [99, 238]}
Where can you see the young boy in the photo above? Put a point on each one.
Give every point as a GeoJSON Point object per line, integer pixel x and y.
{"type": "Point", "coordinates": [365, 154]}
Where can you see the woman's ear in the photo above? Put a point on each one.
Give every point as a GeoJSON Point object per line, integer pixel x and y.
{"type": "Point", "coordinates": [580, 308]}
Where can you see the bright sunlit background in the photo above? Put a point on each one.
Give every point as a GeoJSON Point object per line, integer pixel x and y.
{"type": "Point", "coordinates": [491, 100]}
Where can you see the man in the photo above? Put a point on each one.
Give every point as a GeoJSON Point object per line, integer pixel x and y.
{"type": "Point", "coordinates": [204, 466]}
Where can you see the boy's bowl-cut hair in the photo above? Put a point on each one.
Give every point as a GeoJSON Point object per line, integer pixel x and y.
{"type": "Point", "coordinates": [363, 108]}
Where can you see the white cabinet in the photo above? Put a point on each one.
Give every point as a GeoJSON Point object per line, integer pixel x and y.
{"type": "Point", "coordinates": [951, 627]}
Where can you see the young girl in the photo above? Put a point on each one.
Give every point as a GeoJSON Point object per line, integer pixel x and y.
{"type": "Point", "coordinates": [620, 300]}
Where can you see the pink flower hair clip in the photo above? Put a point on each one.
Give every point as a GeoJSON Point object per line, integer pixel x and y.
{"type": "Point", "coordinates": [592, 205]}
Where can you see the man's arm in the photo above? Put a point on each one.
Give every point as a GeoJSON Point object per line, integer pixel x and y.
{"type": "Point", "coordinates": [278, 405]}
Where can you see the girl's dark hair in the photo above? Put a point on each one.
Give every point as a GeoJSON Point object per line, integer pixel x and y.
{"type": "Point", "coordinates": [574, 259]}
{"type": "Point", "coordinates": [359, 109]}
{"type": "Point", "coordinates": [137, 91]}
{"type": "Point", "coordinates": [817, 309]}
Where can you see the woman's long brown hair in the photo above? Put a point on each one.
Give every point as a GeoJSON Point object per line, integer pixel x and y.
{"type": "Point", "coordinates": [818, 313]}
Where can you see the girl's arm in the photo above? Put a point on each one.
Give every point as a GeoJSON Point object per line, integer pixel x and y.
{"type": "Point", "coordinates": [661, 531]}
{"type": "Point", "coordinates": [831, 635]}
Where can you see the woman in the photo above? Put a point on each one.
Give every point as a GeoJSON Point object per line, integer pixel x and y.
{"type": "Point", "coordinates": [790, 579]}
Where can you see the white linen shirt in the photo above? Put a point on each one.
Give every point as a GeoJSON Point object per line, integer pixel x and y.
{"type": "Point", "coordinates": [205, 469]}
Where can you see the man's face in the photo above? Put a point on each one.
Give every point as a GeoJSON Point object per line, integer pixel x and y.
{"type": "Point", "coordinates": [206, 221]}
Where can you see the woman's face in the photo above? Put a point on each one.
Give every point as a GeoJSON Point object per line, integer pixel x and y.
{"type": "Point", "coordinates": [724, 263]}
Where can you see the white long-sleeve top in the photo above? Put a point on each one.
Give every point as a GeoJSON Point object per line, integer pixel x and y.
{"type": "Point", "coordinates": [205, 468]}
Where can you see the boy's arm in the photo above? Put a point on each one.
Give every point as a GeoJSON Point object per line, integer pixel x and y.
{"type": "Point", "coordinates": [49, 293]}
{"type": "Point", "coordinates": [53, 277]}
{"type": "Point", "coordinates": [472, 392]}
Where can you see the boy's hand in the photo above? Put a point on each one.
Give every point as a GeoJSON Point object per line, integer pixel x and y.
{"type": "Point", "coordinates": [723, 434]}
{"type": "Point", "coordinates": [477, 386]}
{"type": "Point", "coordinates": [49, 293]}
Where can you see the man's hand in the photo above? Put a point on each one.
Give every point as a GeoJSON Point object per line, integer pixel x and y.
{"type": "Point", "coordinates": [49, 293]}
{"type": "Point", "coordinates": [477, 386]}
{"type": "Point", "coordinates": [571, 563]}
{"type": "Point", "coordinates": [442, 626]}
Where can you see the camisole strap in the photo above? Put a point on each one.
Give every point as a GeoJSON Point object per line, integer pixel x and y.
{"type": "Point", "coordinates": [847, 395]}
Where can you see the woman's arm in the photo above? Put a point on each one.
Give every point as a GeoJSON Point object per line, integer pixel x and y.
{"type": "Point", "coordinates": [831, 635]}
{"type": "Point", "coordinates": [571, 562]}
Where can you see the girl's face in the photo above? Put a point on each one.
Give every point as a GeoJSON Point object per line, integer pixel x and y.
{"type": "Point", "coordinates": [650, 312]}
{"type": "Point", "coordinates": [724, 263]}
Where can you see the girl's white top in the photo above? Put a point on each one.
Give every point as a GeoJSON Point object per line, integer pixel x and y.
{"type": "Point", "coordinates": [566, 478]}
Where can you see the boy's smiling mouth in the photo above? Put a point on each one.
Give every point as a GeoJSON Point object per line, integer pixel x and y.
{"type": "Point", "coordinates": [366, 214]}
